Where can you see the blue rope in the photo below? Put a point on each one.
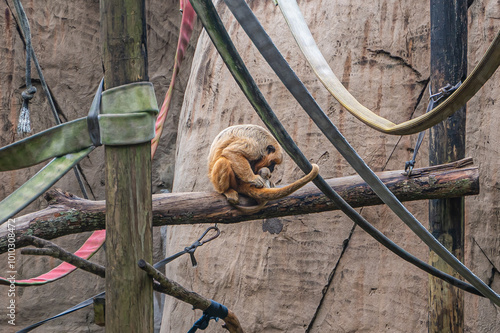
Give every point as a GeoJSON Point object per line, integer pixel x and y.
{"type": "Point", "coordinates": [214, 311]}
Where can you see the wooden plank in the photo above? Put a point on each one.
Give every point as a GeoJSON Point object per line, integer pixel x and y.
{"type": "Point", "coordinates": [447, 144]}
{"type": "Point", "coordinates": [129, 291]}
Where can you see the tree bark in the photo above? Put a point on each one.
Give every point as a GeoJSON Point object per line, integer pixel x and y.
{"type": "Point", "coordinates": [68, 214]}
{"type": "Point", "coordinates": [129, 291]}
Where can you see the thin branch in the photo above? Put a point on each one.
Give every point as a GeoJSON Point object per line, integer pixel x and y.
{"type": "Point", "coordinates": [174, 289]}
{"type": "Point", "coordinates": [50, 249]}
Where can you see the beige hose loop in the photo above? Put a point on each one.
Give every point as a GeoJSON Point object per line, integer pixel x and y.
{"type": "Point", "coordinates": [481, 73]}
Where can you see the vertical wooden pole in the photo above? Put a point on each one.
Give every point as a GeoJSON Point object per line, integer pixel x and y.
{"type": "Point", "coordinates": [129, 294]}
{"type": "Point", "coordinates": [447, 144]}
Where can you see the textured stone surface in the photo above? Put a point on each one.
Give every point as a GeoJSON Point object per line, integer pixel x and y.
{"type": "Point", "coordinates": [314, 272]}
{"type": "Point", "coordinates": [275, 282]}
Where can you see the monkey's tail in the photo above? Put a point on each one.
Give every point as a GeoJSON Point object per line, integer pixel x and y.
{"type": "Point", "coordinates": [280, 192]}
{"type": "Point", "coordinates": [251, 209]}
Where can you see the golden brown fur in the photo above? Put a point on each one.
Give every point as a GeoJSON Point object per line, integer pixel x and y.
{"type": "Point", "coordinates": [243, 188]}
{"type": "Point", "coordinates": [238, 152]}
{"type": "Point", "coordinates": [263, 195]}
{"type": "Point", "coordinates": [236, 156]}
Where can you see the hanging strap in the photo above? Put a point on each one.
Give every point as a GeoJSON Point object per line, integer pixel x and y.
{"type": "Point", "coordinates": [481, 73]}
{"type": "Point", "coordinates": [39, 183]}
{"type": "Point", "coordinates": [213, 25]}
{"type": "Point", "coordinates": [24, 125]}
{"type": "Point", "coordinates": [87, 250]}
{"type": "Point", "coordinates": [185, 32]}
{"type": "Point", "coordinates": [129, 113]}
{"type": "Point", "coordinates": [128, 117]}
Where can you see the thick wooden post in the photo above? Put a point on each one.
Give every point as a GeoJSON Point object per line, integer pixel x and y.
{"type": "Point", "coordinates": [447, 144]}
{"type": "Point", "coordinates": [129, 293]}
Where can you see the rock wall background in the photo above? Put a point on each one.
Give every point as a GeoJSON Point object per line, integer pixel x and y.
{"type": "Point", "coordinates": [319, 272]}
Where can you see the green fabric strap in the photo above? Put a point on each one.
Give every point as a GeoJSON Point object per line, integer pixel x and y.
{"type": "Point", "coordinates": [128, 117]}
{"type": "Point", "coordinates": [39, 183]}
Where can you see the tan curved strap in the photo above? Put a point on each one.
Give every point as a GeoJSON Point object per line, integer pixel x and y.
{"type": "Point", "coordinates": [481, 73]}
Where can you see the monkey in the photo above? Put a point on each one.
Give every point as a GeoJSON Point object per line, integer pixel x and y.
{"type": "Point", "coordinates": [272, 193]}
{"type": "Point", "coordinates": [238, 152]}
{"type": "Point", "coordinates": [236, 156]}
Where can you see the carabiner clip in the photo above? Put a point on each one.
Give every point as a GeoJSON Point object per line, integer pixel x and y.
{"type": "Point", "coordinates": [211, 238]}
{"type": "Point", "coordinates": [200, 242]}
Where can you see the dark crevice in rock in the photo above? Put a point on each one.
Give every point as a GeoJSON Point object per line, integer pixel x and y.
{"type": "Point", "coordinates": [494, 270]}
{"type": "Point", "coordinates": [421, 95]}
{"type": "Point", "coordinates": [330, 280]}
{"type": "Point", "coordinates": [398, 59]}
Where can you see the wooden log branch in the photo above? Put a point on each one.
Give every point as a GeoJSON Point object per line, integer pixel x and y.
{"type": "Point", "coordinates": [68, 214]}
{"type": "Point", "coordinates": [50, 249]}
{"type": "Point", "coordinates": [174, 289]}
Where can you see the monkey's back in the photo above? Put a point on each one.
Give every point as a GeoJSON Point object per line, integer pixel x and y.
{"type": "Point", "coordinates": [249, 140]}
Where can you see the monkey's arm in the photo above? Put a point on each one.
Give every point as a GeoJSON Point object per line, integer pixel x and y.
{"type": "Point", "coordinates": [265, 173]}
{"type": "Point", "coordinates": [238, 154]}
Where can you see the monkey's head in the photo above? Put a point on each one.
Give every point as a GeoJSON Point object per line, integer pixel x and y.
{"type": "Point", "coordinates": [272, 155]}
